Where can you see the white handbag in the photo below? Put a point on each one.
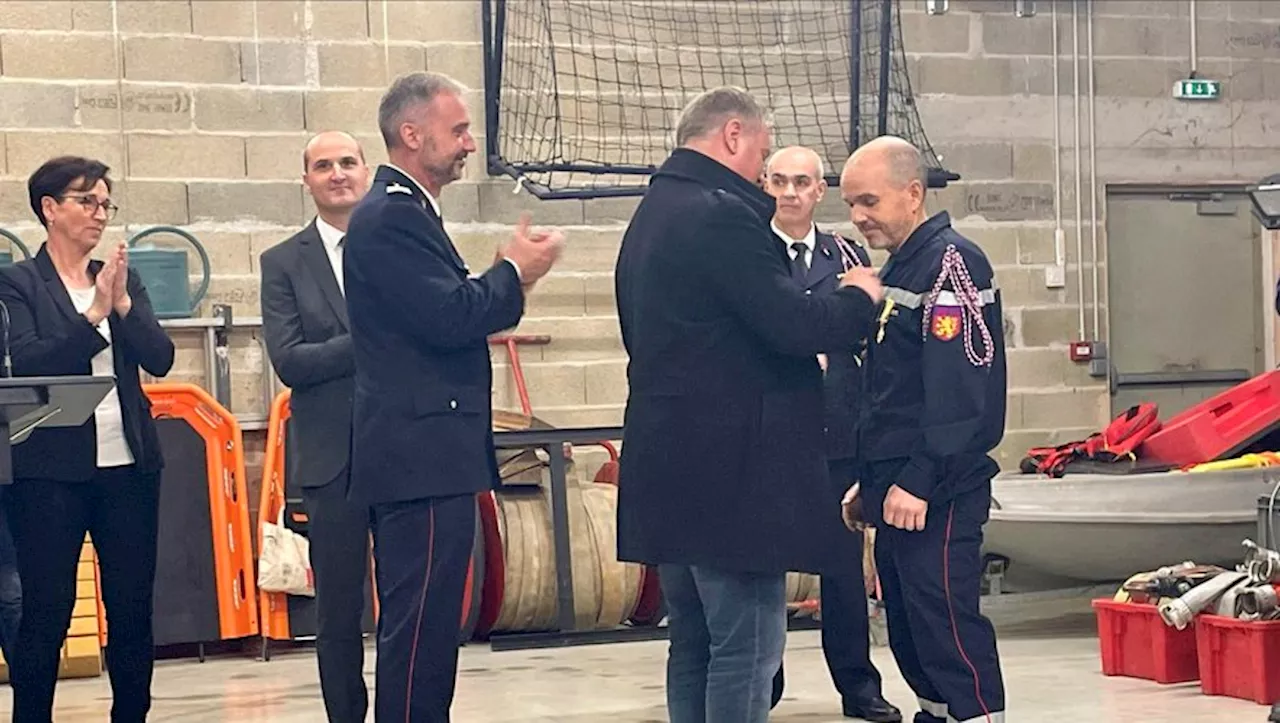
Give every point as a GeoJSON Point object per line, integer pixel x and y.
{"type": "Point", "coordinates": [284, 562]}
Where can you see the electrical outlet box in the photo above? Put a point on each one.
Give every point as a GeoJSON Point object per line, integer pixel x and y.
{"type": "Point", "coordinates": [1055, 276]}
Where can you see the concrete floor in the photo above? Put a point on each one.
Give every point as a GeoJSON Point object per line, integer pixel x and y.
{"type": "Point", "coordinates": [1051, 670]}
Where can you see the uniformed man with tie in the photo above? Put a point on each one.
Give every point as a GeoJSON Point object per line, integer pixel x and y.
{"type": "Point", "coordinates": [794, 176]}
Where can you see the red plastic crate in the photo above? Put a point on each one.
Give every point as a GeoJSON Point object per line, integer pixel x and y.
{"type": "Point", "coordinates": [1218, 425]}
{"type": "Point", "coordinates": [1136, 643]}
{"type": "Point", "coordinates": [1239, 658]}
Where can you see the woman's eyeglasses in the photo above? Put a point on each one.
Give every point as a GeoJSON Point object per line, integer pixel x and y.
{"type": "Point", "coordinates": [92, 204]}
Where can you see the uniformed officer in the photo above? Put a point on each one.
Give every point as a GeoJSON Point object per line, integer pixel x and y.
{"type": "Point", "coordinates": [934, 408]}
{"type": "Point", "coordinates": [794, 176]}
{"type": "Point", "coordinates": [422, 444]}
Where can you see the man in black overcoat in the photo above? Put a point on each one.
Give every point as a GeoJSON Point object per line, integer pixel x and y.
{"type": "Point", "coordinates": [723, 479]}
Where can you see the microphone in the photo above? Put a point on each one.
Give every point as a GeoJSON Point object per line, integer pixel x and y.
{"type": "Point", "coordinates": [8, 358]}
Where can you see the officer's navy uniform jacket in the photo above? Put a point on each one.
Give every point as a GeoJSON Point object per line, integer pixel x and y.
{"type": "Point", "coordinates": [423, 440]}
{"type": "Point", "coordinates": [723, 464]}
{"type": "Point", "coordinates": [846, 629]}
{"type": "Point", "coordinates": [934, 409]}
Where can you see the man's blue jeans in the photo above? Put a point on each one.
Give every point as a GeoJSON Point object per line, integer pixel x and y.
{"type": "Point", "coordinates": [727, 631]}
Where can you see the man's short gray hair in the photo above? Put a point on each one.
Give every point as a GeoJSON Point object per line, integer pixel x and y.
{"type": "Point", "coordinates": [713, 108]}
{"type": "Point", "coordinates": [407, 92]}
{"type": "Point", "coordinates": [906, 164]}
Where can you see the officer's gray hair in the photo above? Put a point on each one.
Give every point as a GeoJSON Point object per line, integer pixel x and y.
{"type": "Point", "coordinates": [907, 164]}
{"type": "Point", "coordinates": [405, 94]}
{"type": "Point", "coordinates": [713, 108]}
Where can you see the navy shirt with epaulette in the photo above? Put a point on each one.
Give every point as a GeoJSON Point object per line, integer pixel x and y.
{"type": "Point", "coordinates": [934, 379]}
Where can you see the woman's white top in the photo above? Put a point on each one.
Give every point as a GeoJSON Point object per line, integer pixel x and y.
{"type": "Point", "coordinates": [113, 448]}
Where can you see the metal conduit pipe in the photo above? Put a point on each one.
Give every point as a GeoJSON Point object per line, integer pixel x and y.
{"type": "Point", "coordinates": [1093, 180]}
{"type": "Point", "coordinates": [1059, 236]}
{"type": "Point", "coordinates": [1075, 106]}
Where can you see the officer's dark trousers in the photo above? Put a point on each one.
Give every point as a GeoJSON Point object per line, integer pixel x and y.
{"type": "Point", "coordinates": [932, 580]}
{"type": "Point", "coordinates": [846, 629]}
{"type": "Point", "coordinates": [339, 534]}
{"type": "Point", "coordinates": [421, 551]}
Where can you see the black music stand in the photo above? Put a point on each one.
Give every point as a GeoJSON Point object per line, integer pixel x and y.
{"type": "Point", "coordinates": [30, 402]}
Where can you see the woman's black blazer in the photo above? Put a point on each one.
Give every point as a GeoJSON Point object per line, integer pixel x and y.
{"type": "Point", "coordinates": [48, 338]}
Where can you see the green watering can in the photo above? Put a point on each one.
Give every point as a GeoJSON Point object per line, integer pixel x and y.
{"type": "Point", "coordinates": [164, 273]}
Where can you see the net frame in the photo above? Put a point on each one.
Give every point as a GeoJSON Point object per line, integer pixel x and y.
{"type": "Point", "coordinates": [880, 100]}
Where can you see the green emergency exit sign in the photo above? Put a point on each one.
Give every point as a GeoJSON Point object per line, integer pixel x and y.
{"type": "Point", "coordinates": [1197, 89]}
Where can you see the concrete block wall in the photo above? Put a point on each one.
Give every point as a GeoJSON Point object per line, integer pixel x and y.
{"type": "Point", "coordinates": [202, 107]}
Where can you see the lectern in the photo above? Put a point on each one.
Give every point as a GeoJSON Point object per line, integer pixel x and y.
{"type": "Point", "coordinates": [27, 403]}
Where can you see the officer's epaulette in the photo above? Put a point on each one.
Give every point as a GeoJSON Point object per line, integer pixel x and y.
{"type": "Point", "coordinates": [397, 188]}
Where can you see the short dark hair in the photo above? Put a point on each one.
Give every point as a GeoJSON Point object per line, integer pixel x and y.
{"type": "Point", "coordinates": [61, 174]}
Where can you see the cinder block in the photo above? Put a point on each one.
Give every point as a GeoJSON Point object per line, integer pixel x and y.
{"type": "Point", "coordinates": [608, 210]}
{"type": "Point", "coordinates": [145, 107]}
{"type": "Point", "coordinates": [153, 202]}
{"type": "Point", "coordinates": [1007, 34]}
{"type": "Point", "coordinates": [1035, 245]}
{"type": "Point", "coordinates": [970, 119]}
{"type": "Point", "coordinates": [923, 33]}
{"type": "Point", "coordinates": [1024, 286]}
{"type": "Point", "coordinates": [601, 295]}
{"type": "Point", "coordinates": [460, 203]}
{"type": "Point", "coordinates": [186, 156]}
{"type": "Point", "coordinates": [1044, 369]}
{"type": "Point", "coordinates": [42, 55]}
{"type": "Point", "coordinates": [585, 339]}
{"type": "Point", "coordinates": [269, 201]}
{"type": "Point", "coordinates": [548, 384]}
{"type": "Point", "coordinates": [1148, 8]}
{"type": "Point", "coordinates": [1074, 408]}
{"type": "Point", "coordinates": [287, 18]}
{"type": "Point", "coordinates": [607, 382]}
{"type": "Point", "coordinates": [1146, 123]}
{"type": "Point", "coordinates": [248, 109]}
{"type": "Point", "coordinates": [14, 208]}
{"type": "Point", "coordinates": [442, 20]}
{"type": "Point", "coordinates": [477, 247]}
{"type": "Point", "coordinates": [968, 76]}
{"type": "Point", "coordinates": [355, 111]}
{"type": "Point", "coordinates": [276, 157]}
{"type": "Point", "coordinates": [609, 415]}
{"type": "Point", "coordinates": [366, 64]}
{"type": "Point", "coordinates": [222, 18]}
{"type": "Point", "coordinates": [590, 249]}
{"type": "Point", "coordinates": [28, 150]}
{"type": "Point", "coordinates": [1012, 201]}
{"type": "Point", "coordinates": [1051, 325]}
{"type": "Point", "coordinates": [273, 63]}
{"type": "Point", "coordinates": [241, 292]}
{"type": "Point", "coordinates": [978, 161]}
{"type": "Point", "coordinates": [36, 15]}
{"type": "Point", "coordinates": [182, 59]}
{"type": "Point", "coordinates": [34, 105]}
{"type": "Point", "coordinates": [153, 16]}
{"type": "Point", "coordinates": [1143, 78]}
{"type": "Point", "coordinates": [1241, 40]}
{"type": "Point", "coordinates": [555, 295]}
{"type": "Point", "coordinates": [260, 241]}
{"type": "Point", "coordinates": [1250, 9]}
{"type": "Point", "coordinates": [498, 205]}
{"type": "Point", "coordinates": [1034, 161]}
{"type": "Point", "coordinates": [343, 20]}
{"type": "Point", "coordinates": [999, 243]}
{"type": "Point", "coordinates": [229, 253]}
{"type": "Point", "coordinates": [1149, 37]}
{"type": "Point", "coordinates": [1161, 164]}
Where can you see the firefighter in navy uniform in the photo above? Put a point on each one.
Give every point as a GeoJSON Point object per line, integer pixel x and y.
{"type": "Point", "coordinates": [933, 409]}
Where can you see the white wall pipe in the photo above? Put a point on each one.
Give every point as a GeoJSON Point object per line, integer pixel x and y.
{"type": "Point", "coordinates": [1059, 236]}
{"type": "Point", "coordinates": [1075, 106]}
{"type": "Point", "coordinates": [1093, 182]}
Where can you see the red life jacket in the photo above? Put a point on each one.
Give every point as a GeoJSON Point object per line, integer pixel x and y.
{"type": "Point", "coordinates": [1117, 442]}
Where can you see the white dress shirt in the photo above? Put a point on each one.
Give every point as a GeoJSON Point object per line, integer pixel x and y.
{"type": "Point", "coordinates": [113, 448]}
{"type": "Point", "coordinates": [810, 241]}
{"type": "Point", "coordinates": [331, 237]}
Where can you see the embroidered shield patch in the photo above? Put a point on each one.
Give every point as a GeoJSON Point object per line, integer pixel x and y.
{"type": "Point", "coordinates": [946, 322]}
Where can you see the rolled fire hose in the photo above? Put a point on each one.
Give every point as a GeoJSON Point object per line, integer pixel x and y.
{"type": "Point", "coordinates": [1178, 613]}
{"type": "Point", "coordinates": [1256, 603]}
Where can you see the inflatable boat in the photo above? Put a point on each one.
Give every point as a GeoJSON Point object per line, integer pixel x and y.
{"type": "Point", "coordinates": [1092, 528]}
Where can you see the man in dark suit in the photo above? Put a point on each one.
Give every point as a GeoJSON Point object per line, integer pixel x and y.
{"type": "Point", "coordinates": [794, 177]}
{"type": "Point", "coordinates": [304, 319]}
{"type": "Point", "coordinates": [723, 480]}
{"type": "Point", "coordinates": [423, 445]}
